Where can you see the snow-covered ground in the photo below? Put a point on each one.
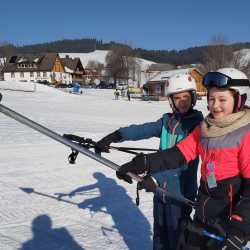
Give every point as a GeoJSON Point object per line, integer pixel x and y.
{"type": "Point", "coordinates": [46, 203]}
{"type": "Point", "coordinates": [19, 86]}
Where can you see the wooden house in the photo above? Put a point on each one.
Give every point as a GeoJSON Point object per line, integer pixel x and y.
{"type": "Point", "coordinates": [75, 68]}
{"type": "Point", "coordinates": [155, 88]}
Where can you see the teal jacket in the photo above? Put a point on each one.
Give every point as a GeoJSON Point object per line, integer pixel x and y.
{"type": "Point", "coordinates": [170, 128]}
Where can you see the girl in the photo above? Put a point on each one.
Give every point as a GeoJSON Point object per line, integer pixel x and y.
{"type": "Point", "coordinates": [223, 142]}
{"type": "Point", "coordinates": [170, 128]}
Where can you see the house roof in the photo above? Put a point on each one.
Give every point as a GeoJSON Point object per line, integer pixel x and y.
{"type": "Point", "coordinates": [162, 76]}
{"type": "Point", "coordinates": [72, 64]}
{"type": "Point", "coordinates": [43, 62]}
{"type": "Point", "coordinates": [160, 67]}
{"type": "Point", "coordinates": [48, 61]}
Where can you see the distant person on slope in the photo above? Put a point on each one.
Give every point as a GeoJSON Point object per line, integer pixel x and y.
{"type": "Point", "coordinates": [128, 94]}
{"type": "Point", "coordinates": [222, 141]}
{"type": "Point", "coordinates": [116, 93]}
{"type": "Point", "coordinates": [170, 128]}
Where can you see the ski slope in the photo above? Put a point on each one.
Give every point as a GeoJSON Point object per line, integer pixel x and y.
{"type": "Point", "coordinates": [46, 203]}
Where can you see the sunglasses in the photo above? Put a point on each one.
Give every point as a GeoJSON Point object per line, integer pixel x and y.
{"type": "Point", "coordinates": [219, 80]}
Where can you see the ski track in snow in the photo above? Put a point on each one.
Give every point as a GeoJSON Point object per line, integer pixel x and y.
{"type": "Point", "coordinates": [72, 207]}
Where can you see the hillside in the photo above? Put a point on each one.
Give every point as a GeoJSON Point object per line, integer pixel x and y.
{"type": "Point", "coordinates": [181, 57]}
{"type": "Point", "coordinates": [99, 56]}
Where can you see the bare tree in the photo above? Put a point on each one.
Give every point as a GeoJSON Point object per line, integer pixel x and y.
{"type": "Point", "coordinates": [218, 54]}
{"type": "Point", "coordinates": [120, 62]}
{"type": "Point", "coordinates": [241, 62]}
{"type": "Point", "coordinates": [95, 65]}
{"type": "Point", "coordinates": [6, 51]}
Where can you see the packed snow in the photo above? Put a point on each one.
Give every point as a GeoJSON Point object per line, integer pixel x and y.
{"type": "Point", "coordinates": [100, 56]}
{"type": "Point", "coordinates": [46, 203]}
{"type": "Point", "coordinates": [244, 57]}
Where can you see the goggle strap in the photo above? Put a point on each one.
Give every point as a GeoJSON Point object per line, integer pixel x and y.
{"type": "Point", "coordinates": [238, 82]}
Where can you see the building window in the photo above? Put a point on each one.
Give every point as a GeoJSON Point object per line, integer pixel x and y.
{"type": "Point", "coordinates": [31, 74]}
{"type": "Point", "coordinates": [12, 75]}
{"type": "Point", "coordinates": [21, 75]}
{"type": "Point", "coordinates": [44, 74]}
{"type": "Point", "coordinates": [38, 74]}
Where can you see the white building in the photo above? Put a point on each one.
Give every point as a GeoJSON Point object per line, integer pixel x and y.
{"type": "Point", "coordinates": [34, 68]}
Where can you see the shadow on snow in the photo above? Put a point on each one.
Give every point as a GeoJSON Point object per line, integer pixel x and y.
{"type": "Point", "coordinates": [45, 237]}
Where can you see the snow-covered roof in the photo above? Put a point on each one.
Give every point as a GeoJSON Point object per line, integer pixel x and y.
{"type": "Point", "coordinates": [162, 76]}
{"type": "Point", "coordinates": [68, 70]}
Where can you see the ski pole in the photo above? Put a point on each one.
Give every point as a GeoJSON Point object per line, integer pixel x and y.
{"type": "Point", "coordinates": [203, 232]}
{"type": "Point", "coordinates": [217, 237]}
{"type": "Point", "coordinates": [89, 143]}
{"type": "Point", "coordinates": [59, 138]}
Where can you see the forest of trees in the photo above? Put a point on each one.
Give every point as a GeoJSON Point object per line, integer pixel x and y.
{"type": "Point", "coordinates": [175, 57]}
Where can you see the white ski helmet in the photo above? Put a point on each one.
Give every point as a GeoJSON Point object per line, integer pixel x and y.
{"type": "Point", "coordinates": [232, 79]}
{"type": "Point", "coordinates": [178, 83]}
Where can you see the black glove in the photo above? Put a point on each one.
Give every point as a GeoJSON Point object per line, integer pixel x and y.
{"type": "Point", "coordinates": [148, 183]}
{"type": "Point", "coordinates": [103, 144]}
{"type": "Point", "coordinates": [234, 242]}
{"type": "Point", "coordinates": [138, 165]}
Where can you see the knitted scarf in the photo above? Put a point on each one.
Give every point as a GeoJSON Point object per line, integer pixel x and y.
{"type": "Point", "coordinates": [211, 127]}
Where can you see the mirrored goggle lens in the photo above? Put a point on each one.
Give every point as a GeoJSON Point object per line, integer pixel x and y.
{"type": "Point", "coordinates": [215, 79]}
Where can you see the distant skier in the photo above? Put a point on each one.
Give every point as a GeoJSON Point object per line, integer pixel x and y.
{"type": "Point", "coordinates": [128, 94]}
{"type": "Point", "coordinates": [116, 93]}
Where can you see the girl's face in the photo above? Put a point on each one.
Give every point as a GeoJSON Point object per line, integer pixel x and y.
{"type": "Point", "coordinates": [182, 101]}
{"type": "Point", "coordinates": [220, 102]}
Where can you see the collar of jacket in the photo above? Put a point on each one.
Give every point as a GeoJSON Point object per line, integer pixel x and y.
{"type": "Point", "coordinates": [179, 115]}
{"type": "Point", "coordinates": [218, 127]}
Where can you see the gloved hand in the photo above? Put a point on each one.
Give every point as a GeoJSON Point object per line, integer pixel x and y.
{"type": "Point", "coordinates": [148, 183]}
{"type": "Point", "coordinates": [103, 144]}
{"type": "Point", "coordinates": [138, 165]}
{"type": "Point", "coordinates": [234, 242]}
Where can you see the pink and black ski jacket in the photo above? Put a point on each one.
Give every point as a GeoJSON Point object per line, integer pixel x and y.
{"type": "Point", "coordinates": [230, 157]}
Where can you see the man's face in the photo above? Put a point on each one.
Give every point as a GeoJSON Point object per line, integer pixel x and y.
{"type": "Point", "coordinates": [182, 101]}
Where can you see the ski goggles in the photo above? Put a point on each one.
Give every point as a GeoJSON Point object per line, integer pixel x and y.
{"type": "Point", "coordinates": [219, 80]}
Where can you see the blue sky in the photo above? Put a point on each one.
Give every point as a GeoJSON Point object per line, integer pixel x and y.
{"type": "Point", "coordinates": [159, 24]}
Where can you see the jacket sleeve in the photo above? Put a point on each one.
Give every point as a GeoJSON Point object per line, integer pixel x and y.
{"type": "Point", "coordinates": [241, 215]}
{"type": "Point", "coordinates": [142, 131]}
{"type": "Point", "coordinates": [179, 155]}
{"type": "Point", "coordinates": [189, 147]}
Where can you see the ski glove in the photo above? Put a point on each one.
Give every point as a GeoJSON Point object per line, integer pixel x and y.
{"type": "Point", "coordinates": [103, 144]}
{"type": "Point", "coordinates": [138, 165]}
{"type": "Point", "coordinates": [234, 242]}
{"type": "Point", "coordinates": [148, 183]}
{"type": "Point", "coordinates": [151, 163]}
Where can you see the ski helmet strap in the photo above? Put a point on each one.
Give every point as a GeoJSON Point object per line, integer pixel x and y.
{"type": "Point", "coordinates": [240, 101]}
{"type": "Point", "coordinates": [193, 100]}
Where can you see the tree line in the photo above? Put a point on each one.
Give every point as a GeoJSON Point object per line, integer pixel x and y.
{"type": "Point", "coordinates": [175, 57]}
{"type": "Point", "coordinates": [121, 59]}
